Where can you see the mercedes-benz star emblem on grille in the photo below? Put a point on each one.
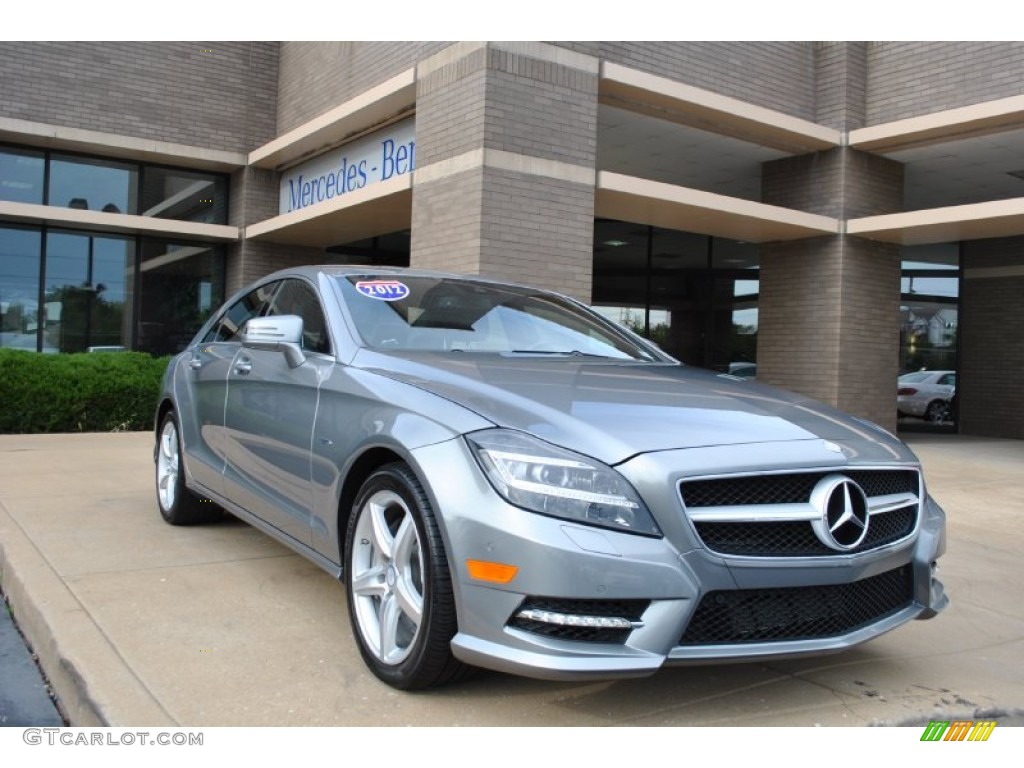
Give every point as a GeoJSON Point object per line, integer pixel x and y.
{"type": "Point", "coordinates": [843, 509]}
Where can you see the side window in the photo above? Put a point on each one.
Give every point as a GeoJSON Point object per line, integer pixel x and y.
{"type": "Point", "coordinates": [253, 304]}
{"type": "Point", "coordinates": [948, 380]}
{"type": "Point", "coordinates": [296, 298]}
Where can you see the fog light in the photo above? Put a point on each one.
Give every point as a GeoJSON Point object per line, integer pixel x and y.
{"type": "Point", "coordinates": [576, 620]}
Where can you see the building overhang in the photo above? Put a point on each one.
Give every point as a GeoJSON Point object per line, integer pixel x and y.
{"type": "Point", "coordinates": [59, 137]}
{"type": "Point", "coordinates": [372, 109]}
{"type": "Point", "coordinates": [660, 97]}
{"type": "Point", "coordinates": [374, 210]}
{"type": "Point", "coordinates": [960, 123]}
{"type": "Point", "coordinates": [664, 205]}
{"type": "Point", "coordinates": [998, 218]}
{"type": "Point", "coordinates": [122, 223]}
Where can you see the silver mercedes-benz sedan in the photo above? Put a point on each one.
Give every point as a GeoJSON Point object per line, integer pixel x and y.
{"type": "Point", "coordinates": [502, 478]}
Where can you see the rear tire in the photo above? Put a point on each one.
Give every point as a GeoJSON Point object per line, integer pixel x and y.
{"type": "Point", "coordinates": [937, 412]}
{"type": "Point", "coordinates": [178, 505]}
{"type": "Point", "coordinates": [400, 599]}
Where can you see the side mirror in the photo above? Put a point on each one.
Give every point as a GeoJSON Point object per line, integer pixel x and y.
{"type": "Point", "coordinates": [278, 333]}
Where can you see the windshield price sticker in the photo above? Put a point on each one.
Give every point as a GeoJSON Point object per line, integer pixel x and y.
{"type": "Point", "coordinates": [385, 290]}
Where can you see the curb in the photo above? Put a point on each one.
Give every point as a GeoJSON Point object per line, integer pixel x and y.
{"type": "Point", "coordinates": [67, 640]}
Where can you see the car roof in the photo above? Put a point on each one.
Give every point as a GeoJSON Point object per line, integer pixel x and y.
{"type": "Point", "coordinates": [927, 372]}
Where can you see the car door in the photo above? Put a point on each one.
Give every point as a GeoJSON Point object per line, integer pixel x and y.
{"type": "Point", "coordinates": [269, 418]}
{"type": "Point", "coordinates": [947, 384]}
{"type": "Point", "coordinates": [206, 378]}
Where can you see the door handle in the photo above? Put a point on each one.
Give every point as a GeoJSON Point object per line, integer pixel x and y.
{"type": "Point", "coordinates": [243, 367]}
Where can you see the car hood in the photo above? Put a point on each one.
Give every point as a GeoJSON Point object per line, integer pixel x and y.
{"type": "Point", "coordinates": [615, 410]}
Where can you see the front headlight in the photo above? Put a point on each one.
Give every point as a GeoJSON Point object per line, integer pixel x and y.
{"type": "Point", "coordinates": [543, 478]}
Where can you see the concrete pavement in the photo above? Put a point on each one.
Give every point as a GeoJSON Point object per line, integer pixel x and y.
{"type": "Point", "coordinates": [140, 623]}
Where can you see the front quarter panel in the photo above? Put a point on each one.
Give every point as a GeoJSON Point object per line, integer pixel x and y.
{"type": "Point", "coordinates": [361, 411]}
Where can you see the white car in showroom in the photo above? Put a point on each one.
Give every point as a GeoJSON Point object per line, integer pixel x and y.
{"type": "Point", "coordinates": [926, 395]}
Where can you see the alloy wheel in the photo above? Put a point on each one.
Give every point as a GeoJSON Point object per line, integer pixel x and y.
{"type": "Point", "coordinates": [387, 577]}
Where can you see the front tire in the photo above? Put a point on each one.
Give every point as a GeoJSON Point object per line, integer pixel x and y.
{"type": "Point", "coordinates": [178, 505]}
{"type": "Point", "coordinates": [398, 584]}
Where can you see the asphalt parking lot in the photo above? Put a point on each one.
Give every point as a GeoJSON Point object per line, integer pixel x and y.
{"type": "Point", "coordinates": [139, 623]}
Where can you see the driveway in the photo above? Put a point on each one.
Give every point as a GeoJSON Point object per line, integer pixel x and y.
{"type": "Point", "coordinates": [139, 623]}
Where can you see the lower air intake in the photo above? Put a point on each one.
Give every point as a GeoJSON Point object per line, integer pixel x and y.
{"type": "Point", "coordinates": [797, 613]}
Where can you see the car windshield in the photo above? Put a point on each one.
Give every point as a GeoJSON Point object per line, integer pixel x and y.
{"type": "Point", "coordinates": [406, 313]}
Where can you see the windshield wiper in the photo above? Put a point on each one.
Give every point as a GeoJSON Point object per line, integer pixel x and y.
{"type": "Point", "coordinates": [563, 353]}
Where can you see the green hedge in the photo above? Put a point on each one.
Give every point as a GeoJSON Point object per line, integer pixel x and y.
{"type": "Point", "coordinates": [97, 392]}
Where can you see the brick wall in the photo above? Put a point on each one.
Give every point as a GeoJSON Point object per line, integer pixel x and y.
{"type": "Point", "coordinates": [253, 259]}
{"type": "Point", "coordinates": [450, 104]}
{"type": "Point", "coordinates": [829, 307]}
{"type": "Point", "coordinates": [540, 109]}
{"type": "Point", "coordinates": [539, 231]}
{"type": "Point", "coordinates": [829, 322]}
{"type": "Point", "coordinates": [254, 196]}
{"type": "Point", "coordinates": [840, 84]}
{"type": "Point", "coordinates": [777, 75]}
{"type": "Point", "coordinates": [843, 183]}
{"type": "Point", "coordinates": [798, 333]}
{"type": "Point", "coordinates": [318, 76]}
{"type": "Point", "coordinates": [991, 328]}
{"type": "Point", "coordinates": [529, 227]}
{"type": "Point", "coordinates": [447, 220]}
{"type": "Point", "coordinates": [906, 79]}
{"type": "Point", "coordinates": [212, 95]}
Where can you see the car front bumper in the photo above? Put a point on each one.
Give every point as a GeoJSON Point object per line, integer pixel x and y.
{"type": "Point", "coordinates": [580, 574]}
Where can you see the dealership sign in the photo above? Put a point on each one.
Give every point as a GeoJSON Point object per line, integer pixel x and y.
{"type": "Point", "coordinates": [380, 156]}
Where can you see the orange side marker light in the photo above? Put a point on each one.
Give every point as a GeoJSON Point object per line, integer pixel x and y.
{"type": "Point", "coordinates": [499, 573]}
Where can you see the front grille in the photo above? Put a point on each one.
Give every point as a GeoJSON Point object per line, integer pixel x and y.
{"type": "Point", "coordinates": [796, 538]}
{"type": "Point", "coordinates": [737, 531]}
{"type": "Point", "coordinates": [797, 613]}
{"type": "Point", "coordinates": [789, 488]}
{"type": "Point", "coordinates": [625, 609]}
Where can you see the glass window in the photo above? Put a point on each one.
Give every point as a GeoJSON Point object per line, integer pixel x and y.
{"type": "Point", "coordinates": [100, 184]}
{"type": "Point", "coordinates": [297, 298]}
{"type": "Point", "coordinates": [929, 307]}
{"type": "Point", "coordinates": [21, 175]}
{"type": "Point", "coordinates": [180, 286]}
{"type": "Point", "coordinates": [19, 287]}
{"type": "Point", "coordinates": [184, 195]}
{"type": "Point", "coordinates": [253, 304]}
{"type": "Point", "coordinates": [93, 184]}
{"type": "Point", "coordinates": [929, 321]}
{"type": "Point", "coordinates": [693, 295]}
{"type": "Point", "coordinates": [87, 280]}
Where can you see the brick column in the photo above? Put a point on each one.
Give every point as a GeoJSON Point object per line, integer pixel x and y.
{"type": "Point", "coordinates": [829, 306]}
{"type": "Point", "coordinates": [506, 136]}
{"type": "Point", "coordinates": [840, 84]}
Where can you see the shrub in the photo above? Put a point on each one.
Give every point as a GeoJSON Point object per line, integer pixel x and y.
{"type": "Point", "coordinates": [98, 392]}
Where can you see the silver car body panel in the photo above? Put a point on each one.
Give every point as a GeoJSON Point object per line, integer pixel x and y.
{"type": "Point", "coordinates": [275, 445]}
